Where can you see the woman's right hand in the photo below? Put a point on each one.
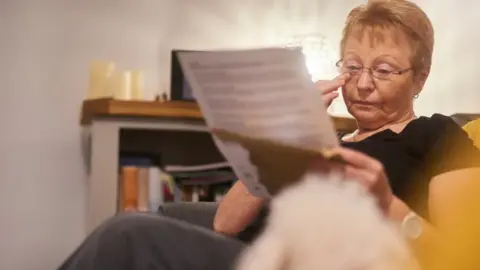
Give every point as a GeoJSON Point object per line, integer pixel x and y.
{"type": "Point", "coordinates": [329, 88]}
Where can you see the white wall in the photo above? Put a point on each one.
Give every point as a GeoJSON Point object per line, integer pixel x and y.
{"type": "Point", "coordinates": [45, 48]}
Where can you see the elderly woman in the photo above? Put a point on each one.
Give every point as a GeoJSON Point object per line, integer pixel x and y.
{"type": "Point", "coordinates": [410, 164]}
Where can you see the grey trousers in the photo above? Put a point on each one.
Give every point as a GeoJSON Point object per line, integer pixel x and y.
{"type": "Point", "coordinates": [148, 241]}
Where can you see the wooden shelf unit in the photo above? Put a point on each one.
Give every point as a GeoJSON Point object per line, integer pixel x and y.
{"type": "Point", "coordinates": [180, 125]}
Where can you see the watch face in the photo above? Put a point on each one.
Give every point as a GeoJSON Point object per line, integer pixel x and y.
{"type": "Point", "coordinates": [412, 227]}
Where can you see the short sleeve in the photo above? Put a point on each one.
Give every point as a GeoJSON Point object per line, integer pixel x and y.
{"type": "Point", "coordinates": [449, 147]}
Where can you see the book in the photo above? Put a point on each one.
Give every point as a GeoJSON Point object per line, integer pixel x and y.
{"type": "Point", "coordinates": [143, 189]}
{"type": "Point", "coordinates": [129, 189]}
{"type": "Point", "coordinates": [142, 185]}
{"type": "Point", "coordinates": [266, 115]}
{"type": "Point", "coordinates": [156, 192]}
{"type": "Point", "coordinates": [196, 168]}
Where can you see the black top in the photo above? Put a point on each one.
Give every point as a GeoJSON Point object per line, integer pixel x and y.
{"type": "Point", "coordinates": [428, 146]}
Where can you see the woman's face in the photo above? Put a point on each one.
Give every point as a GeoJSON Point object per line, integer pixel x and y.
{"type": "Point", "coordinates": [373, 99]}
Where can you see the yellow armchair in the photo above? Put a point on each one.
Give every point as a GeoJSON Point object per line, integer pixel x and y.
{"type": "Point", "coordinates": [473, 130]}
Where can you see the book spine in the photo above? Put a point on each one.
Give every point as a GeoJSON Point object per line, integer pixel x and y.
{"type": "Point", "coordinates": [130, 188]}
{"type": "Point", "coordinates": [195, 194]}
{"type": "Point", "coordinates": [155, 189]}
{"type": "Point", "coordinates": [120, 192]}
{"type": "Point", "coordinates": [143, 180]}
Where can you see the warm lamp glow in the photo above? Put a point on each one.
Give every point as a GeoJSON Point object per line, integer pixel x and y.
{"type": "Point", "coordinates": [319, 54]}
{"type": "Point", "coordinates": [320, 58]}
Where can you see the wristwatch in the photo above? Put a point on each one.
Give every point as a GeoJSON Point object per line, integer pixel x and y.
{"type": "Point", "coordinates": [411, 226]}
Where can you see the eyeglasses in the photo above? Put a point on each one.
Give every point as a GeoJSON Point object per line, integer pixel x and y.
{"type": "Point", "coordinates": [377, 72]}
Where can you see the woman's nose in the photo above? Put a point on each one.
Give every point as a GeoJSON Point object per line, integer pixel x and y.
{"type": "Point", "coordinates": [365, 81]}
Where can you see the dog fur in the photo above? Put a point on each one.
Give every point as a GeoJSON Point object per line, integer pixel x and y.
{"type": "Point", "coordinates": [325, 223]}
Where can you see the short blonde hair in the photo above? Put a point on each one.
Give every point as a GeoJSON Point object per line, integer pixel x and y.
{"type": "Point", "coordinates": [400, 15]}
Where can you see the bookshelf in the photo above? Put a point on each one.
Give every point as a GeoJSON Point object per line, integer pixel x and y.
{"type": "Point", "coordinates": [174, 130]}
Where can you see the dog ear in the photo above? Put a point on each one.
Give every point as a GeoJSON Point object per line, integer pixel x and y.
{"type": "Point", "coordinates": [267, 252]}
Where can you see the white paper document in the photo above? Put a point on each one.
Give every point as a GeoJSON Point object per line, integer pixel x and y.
{"type": "Point", "coordinates": [260, 93]}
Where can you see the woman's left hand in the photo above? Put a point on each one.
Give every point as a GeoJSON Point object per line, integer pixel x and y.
{"type": "Point", "coordinates": [370, 174]}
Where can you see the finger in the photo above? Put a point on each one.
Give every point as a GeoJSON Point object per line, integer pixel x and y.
{"type": "Point", "coordinates": [327, 86]}
{"type": "Point", "coordinates": [367, 181]}
{"type": "Point", "coordinates": [343, 76]}
{"type": "Point", "coordinates": [328, 98]}
{"type": "Point", "coordinates": [364, 177]}
{"type": "Point", "coordinates": [360, 160]}
{"type": "Point", "coordinates": [321, 164]}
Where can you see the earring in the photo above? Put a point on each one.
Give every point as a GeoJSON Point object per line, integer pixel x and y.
{"type": "Point", "coordinates": [415, 97]}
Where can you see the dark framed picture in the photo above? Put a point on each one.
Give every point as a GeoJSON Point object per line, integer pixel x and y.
{"type": "Point", "coordinates": [179, 87]}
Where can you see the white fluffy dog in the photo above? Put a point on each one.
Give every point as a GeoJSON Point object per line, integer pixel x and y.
{"type": "Point", "coordinates": [323, 223]}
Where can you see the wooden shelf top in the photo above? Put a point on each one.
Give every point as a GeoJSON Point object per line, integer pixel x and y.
{"type": "Point", "coordinates": [171, 109]}
{"type": "Point", "coordinates": [128, 108]}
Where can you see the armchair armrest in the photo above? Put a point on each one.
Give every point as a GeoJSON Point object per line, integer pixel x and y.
{"type": "Point", "coordinates": [199, 213]}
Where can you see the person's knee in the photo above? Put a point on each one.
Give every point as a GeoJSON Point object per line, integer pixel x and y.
{"type": "Point", "coordinates": [134, 223]}
{"type": "Point", "coordinates": [136, 226]}
{"type": "Point", "coordinates": [128, 221]}
{"type": "Point", "coordinates": [119, 235]}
